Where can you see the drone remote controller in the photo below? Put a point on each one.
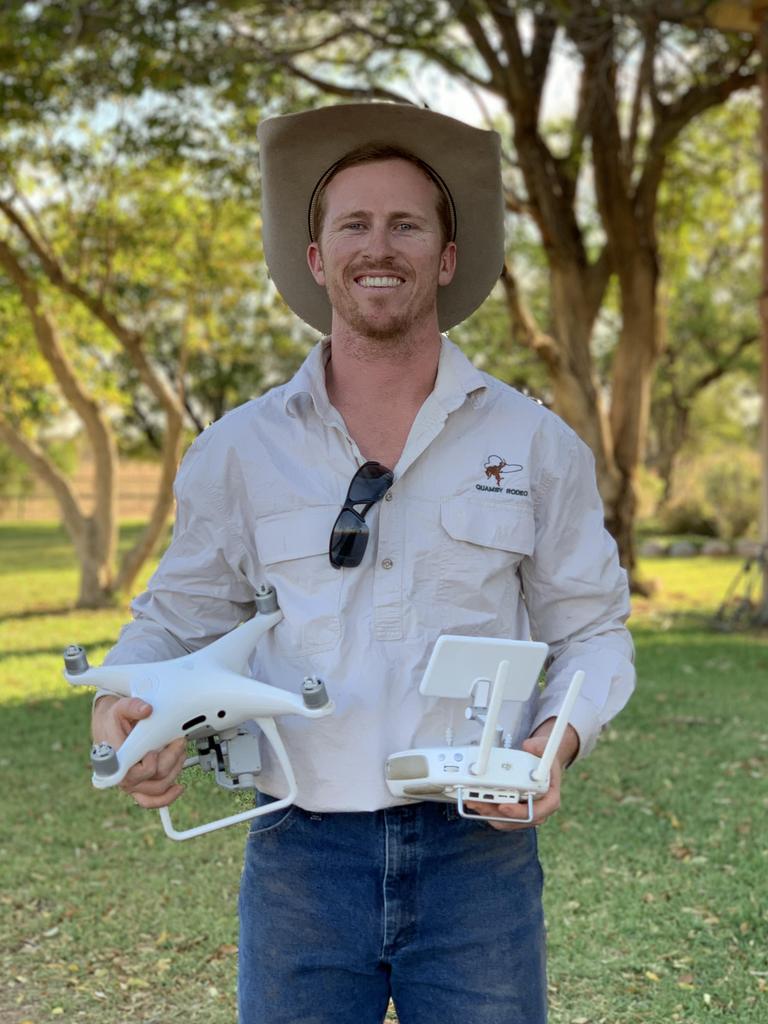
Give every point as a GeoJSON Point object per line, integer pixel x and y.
{"type": "Point", "coordinates": [489, 671]}
{"type": "Point", "coordinates": [206, 697]}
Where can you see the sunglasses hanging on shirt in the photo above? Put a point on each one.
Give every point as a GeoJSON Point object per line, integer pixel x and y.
{"type": "Point", "coordinates": [349, 536]}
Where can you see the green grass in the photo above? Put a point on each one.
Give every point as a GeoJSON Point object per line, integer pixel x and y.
{"type": "Point", "coordinates": [655, 866]}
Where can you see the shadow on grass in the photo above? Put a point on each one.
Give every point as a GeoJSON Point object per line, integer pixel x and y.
{"type": "Point", "coordinates": [44, 547]}
{"type": "Point", "coordinates": [38, 613]}
{"type": "Point", "coordinates": [690, 622]}
{"type": "Point", "coordinates": [57, 649]}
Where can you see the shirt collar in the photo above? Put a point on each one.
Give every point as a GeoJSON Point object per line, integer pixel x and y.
{"type": "Point", "coordinates": [457, 379]}
{"type": "Point", "coordinates": [308, 383]}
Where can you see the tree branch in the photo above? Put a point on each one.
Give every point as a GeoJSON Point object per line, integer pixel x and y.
{"type": "Point", "coordinates": [525, 330]}
{"type": "Point", "coordinates": [544, 32]}
{"type": "Point", "coordinates": [674, 117]}
{"type": "Point", "coordinates": [50, 474]}
{"type": "Point", "coordinates": [471, 24]}
{"type": "Point", "coordinates": [132, 341]}
{"type": "Point", "coordinates": [643, 85]}
{"type": "Point", "coordinates": [375, 92]}
{"type": "Point", "coordinates": [721, 369]}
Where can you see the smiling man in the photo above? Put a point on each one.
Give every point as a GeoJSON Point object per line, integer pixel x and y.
{"type": "Point", "coordinates": [391, 493]}
{"type": "Point", "coordinates": [386, 247]}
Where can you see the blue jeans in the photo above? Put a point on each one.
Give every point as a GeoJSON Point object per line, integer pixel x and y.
{"type": "Point", "coordinates": [340, 912]}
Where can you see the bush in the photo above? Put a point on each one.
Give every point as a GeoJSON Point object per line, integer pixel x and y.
{"type": "Point", "coordinates": [732, 488]}
{"type": "Point", "coordinates": [716, 495]}
{"type": "Point", "coordinates": [686, 515]}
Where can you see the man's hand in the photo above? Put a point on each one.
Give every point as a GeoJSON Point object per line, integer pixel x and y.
{"type": "Point", "coordinates": [152, 781]}
{"type": "Point", "coordinates": [545, 805]}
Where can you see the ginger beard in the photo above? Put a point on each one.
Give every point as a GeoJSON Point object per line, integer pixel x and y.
{"type": "Point", "coordinates": [375, 316]}
{"type": "Point", "coordinates": [381, 255]}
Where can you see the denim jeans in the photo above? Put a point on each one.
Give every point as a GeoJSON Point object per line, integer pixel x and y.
{"type": "Point", "coordinates": [340, 912]}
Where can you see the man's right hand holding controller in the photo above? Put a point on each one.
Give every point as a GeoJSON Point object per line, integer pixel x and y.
{"type": "Point", "coordinates": [151, 781]}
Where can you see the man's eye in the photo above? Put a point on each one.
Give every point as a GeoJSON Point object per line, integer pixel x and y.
{"type": "Point", "coordinates": [354, 226]}
{"type": "Point", "coordinates": [405, 226]}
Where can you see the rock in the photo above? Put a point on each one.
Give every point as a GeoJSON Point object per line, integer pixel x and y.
{"type": "Point", "coordinates": [717, 548]}
{"type": "Point", "coordinates": [747, 548]}
{"type": "Point", "coordinates": [682, 549]}
{"type": "Point", "coordinates": [653, 549]}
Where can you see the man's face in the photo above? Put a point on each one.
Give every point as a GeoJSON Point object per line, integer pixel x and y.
{"type": "Point", "coordinates": [380, 254]}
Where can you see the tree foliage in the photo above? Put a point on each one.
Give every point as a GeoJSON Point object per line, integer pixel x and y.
{"type": "Point", "coordinates": [196, 77]}
{"type": "Point", "coordinates": [709, 216]}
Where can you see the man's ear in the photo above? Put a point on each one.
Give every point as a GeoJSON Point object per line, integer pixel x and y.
{"type": "Point", "coordinates": [315, 261]}
{"type": "Point", "coordinates": [447, 264]}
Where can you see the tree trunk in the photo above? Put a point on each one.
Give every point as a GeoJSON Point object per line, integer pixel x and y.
{"type": "Point", "coordinates": [576, 395]}
{"type": "Point", "coordinates": [635, 359]}
{"type": "Point", "coordinates": [94, 537]}
{"type": "Point", "coordinates": [150, 537]}
{"type": "Point", "coordinates": [96, 588]}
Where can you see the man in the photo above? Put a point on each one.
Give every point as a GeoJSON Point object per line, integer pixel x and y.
{"type": "Point", "coordinates": [383, 225]}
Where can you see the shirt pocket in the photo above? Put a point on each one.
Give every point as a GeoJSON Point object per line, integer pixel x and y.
{"type": "Point", "coordinates": [482, 547]}
{"type": "Point", "coordinates": [293, 549]}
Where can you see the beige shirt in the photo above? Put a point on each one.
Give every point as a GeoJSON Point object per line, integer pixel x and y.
{"type": "Point", "coordinates": [493, 527]}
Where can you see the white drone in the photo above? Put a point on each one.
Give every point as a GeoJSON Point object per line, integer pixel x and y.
{"type": "Point", "coordinates": [206, 697]}
{"type": "Point", "coordinates": [488, 671]}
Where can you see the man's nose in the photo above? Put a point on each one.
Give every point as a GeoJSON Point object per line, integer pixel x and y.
{"type": "Point", "coordinates": [379, 242]}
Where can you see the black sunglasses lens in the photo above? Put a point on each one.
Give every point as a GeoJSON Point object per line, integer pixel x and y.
{"type": "Point", "coordinates": [370, 483]}
{"type": "Point", "coordinates": [349, 539]}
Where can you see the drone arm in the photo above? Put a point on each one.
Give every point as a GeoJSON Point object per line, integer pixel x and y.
{"type": "Point", "coordinates": [116, 679]}
{"type": "Point", "coordinates": [234, 648]}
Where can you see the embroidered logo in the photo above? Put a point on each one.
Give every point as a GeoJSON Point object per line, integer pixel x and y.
{"type": "Point", "coordinates": [495, 468]}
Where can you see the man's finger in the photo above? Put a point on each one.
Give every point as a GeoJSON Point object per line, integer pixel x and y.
{"type": "Point", "coordinates": [144, 769]}
{"type": "Point", "coordinates": [148, 801]}
{"type": "Point", "coordinates": [171, 758]}
{"type": "Point", "coordinates": [133, 710]}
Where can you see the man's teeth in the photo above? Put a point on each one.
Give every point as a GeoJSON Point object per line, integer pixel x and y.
{"type": "Point", "coordinates": [379, 282]}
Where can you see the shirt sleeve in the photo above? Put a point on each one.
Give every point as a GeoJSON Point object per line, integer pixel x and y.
{"type": "Point", "coordinates": [576, 592]}
{"type": "Point", "coordinates": [199, 591]}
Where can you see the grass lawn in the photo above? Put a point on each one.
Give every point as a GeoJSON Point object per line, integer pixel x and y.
{"type": "Point", "coordinates": [656, 864]}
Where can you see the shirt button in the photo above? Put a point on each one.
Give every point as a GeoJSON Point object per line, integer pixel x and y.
{"type": "Point", "coordinates": [387, 563]}
{"type": "Point", "coordinates": [388, 496]}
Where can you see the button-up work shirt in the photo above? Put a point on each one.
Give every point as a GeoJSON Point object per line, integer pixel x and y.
{"type": "Point", "coordinates": [493, 527]}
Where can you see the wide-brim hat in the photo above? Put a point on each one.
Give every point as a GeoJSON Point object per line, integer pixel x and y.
{"type": "Point", "coordinates": [298, 150]}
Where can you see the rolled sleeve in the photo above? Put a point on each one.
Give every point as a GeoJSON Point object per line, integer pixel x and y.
{"type": "Point", "coordinates": [577, 594]}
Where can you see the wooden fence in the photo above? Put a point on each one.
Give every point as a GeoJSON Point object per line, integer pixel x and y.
{"type": "Point", "coordinates": [136, 483]}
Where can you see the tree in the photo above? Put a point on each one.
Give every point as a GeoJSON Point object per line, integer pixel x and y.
{"type": "Point", "coordinates": [87, 248]}
{"type": "Point", "coordinates": [711, 250]}
{"type": "Point", "coordinates": [644, 70]}
{"type": "Point", "coordinates": [643, 75]}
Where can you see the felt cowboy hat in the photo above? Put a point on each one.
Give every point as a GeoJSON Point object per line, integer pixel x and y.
{"type": "Point", "coordinates": [297, 151]}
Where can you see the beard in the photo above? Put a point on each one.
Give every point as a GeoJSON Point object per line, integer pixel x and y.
{"type": "Point", "coordinates": [385, 328]}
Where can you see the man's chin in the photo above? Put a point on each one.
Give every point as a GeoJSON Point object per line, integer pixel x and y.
{"type": "Point", "coordinates": [382, 329]}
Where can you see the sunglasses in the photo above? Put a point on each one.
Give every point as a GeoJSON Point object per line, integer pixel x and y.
{"type": "Point", "coordinates": [349, 536]}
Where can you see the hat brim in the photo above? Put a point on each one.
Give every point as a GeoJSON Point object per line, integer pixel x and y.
{"type": "Point", "coordinates": [296, 150]}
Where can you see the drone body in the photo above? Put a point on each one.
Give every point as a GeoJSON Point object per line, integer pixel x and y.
{"type": "Point", "coordinates": [205, 695]}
